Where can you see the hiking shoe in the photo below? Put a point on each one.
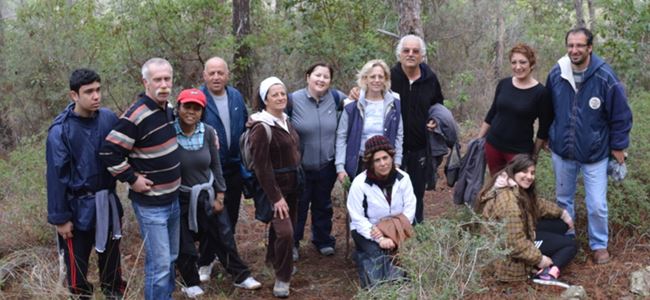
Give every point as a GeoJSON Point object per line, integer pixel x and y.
{"type": "Point", "coordinates": [281, 289]}
{"type": "Point", "coordinates": [193, 291]}
{"type": "Point", "coordinates": [601, 256]}
{"type": "Point", "coordinates": [249, 284]}
{"type": "Point", "coordinates": [296, 255]}
{"type": "Point", "coordinates": [205, 272]}
{"type": "Point", "coordinates": [548, 276]}
{"type": "Point", "coordinates": [326, 251]}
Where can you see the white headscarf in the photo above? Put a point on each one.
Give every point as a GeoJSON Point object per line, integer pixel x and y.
{"type": "Point", "coordinates": [266, 84]}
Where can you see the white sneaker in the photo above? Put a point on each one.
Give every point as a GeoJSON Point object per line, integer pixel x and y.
{"type": "Point", "coordinates": [193, 291]}
{"type": "Point", "coordinates": [205, 272]}
{"type": "Point", "coordinates": [295, 254]}
{"type": "Point", "coordinates": [281, 289]}
{"type": "Point", "coordinates": [249, 284]}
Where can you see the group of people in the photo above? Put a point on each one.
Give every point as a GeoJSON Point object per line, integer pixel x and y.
{"type": "Point", "coordinates": [584, 118]}
{"type": "Point", "coordinates": [185, 173]}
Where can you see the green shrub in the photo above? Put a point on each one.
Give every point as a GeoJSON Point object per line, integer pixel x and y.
{"type": "Point", "coordinates": [444, 260]}
{"type": "Point", "coordinates": [22, 197]}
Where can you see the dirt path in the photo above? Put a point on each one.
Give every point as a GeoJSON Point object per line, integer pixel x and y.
{"type": "Point", "coordinates": [335, 277]}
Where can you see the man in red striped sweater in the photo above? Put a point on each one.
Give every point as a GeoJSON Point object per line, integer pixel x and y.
{"type": "Point", "coordinates": [142, 150]}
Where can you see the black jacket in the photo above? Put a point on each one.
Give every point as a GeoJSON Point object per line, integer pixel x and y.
{"type": "Point", "coordinates": [416, 98]}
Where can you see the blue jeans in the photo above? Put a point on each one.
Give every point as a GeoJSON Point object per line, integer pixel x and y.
{"type": "Point", "coordinates": [318, 190]}
{"type": "Point", "coordinates": [595, 181]}
{"type": "Point", "coordinates": [160, 229]}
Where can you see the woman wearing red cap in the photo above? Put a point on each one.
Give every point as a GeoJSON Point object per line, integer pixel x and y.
{"type": "Point", "coordinates": [201, 197]}
{"type": "Point", "coordinates": [381, 204]}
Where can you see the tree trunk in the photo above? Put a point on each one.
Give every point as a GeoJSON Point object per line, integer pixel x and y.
{"type": "Point", "coordinates": [592, 15]}
{"type": "Point", "coordinates": [242, 60]}
{"type": "Point", "coordinates": [499, 47]}
{"type": "Point", "coordinates": [409, 18]}
{"type": "Point", "coordinates": [580, 19]}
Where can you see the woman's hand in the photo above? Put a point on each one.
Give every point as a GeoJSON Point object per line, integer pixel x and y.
{"type": "Point", "coordinates": [341, 176]}
{"type": "Point", "coordinates": [281, 209]}
{"type": "Point", "coordinates": [386, 243]}
{"type": "Point", "coordinates": [567, 219]}
{"type": "Point", "coordinates": [217, 206]}
{"type": "Point", "coordinates": [375, 233]}
{"type": "Point", "coordinates": [546, 262]}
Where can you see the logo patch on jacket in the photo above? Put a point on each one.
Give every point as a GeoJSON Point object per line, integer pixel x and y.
{"type": "Point", "coordinates": [594, 103]}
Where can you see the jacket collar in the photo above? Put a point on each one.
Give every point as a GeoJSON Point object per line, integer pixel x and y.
{"type": "Point", "coordinates": [595, 62]}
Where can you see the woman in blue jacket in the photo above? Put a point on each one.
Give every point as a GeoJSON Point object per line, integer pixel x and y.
{"type": "Point", "coordinates": [377, 112]}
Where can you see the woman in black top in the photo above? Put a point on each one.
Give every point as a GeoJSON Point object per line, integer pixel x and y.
{"type": "Point", "coordinates": [518, 101]}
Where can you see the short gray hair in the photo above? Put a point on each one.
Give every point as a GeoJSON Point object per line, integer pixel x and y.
{"type": "Point", "coordinates": [154, 61]}
{"type": "Point", "coordinates": [400, 45]}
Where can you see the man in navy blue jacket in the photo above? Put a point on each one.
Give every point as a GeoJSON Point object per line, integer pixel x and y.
{"type": "Point", "coordinates": [591, 126]}
{"type": "Point", "coordinates": [81, 199]}
{"type": "Point", "coordinates": [227, 114]}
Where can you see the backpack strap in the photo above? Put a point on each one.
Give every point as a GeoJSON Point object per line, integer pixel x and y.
{"type": "Point", "coordinates": [289, 109]}
{"type": "Point", "coordinates": [267, 129]}
{"type": "Point", "coordinates": [337, 99]}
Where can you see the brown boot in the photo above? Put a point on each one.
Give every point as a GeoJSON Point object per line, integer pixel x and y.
{"type": "Point", "coordinates": [601, 256]}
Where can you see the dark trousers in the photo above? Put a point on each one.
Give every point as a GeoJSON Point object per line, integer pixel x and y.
{"type": "Point", "coordinates": [414, 163]}
{"type": "Point", "coordinates": [555, 243]}
{"type": "Point", "coordinates": [215, 234]}
{"type": "Point", "coordinates": [370, 248]}
{"type": "Point", "coordinates": [279, 250]}
{"type": "Point", "coordinates": [232, 198]}
{"type": "Point", "coordinates": [77, 252]}
{"type": "Point", "coordinates": [317, 194]}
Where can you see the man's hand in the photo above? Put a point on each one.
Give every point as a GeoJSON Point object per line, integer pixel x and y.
{"type": "Point", "coordinates": [281, 209]}
{"type": "Point", "coordinates": [619, 155]}
{"type": "Point", "coordinates": [217, 207]}
{"type": "Point", "coordinates": [354, 93]}
{"type": "Point", "coordinates": [431, 125]}
{"type": "Point", "coordinates": [142, 184]}
{"type": "Point", "coordinates": [65, 230]}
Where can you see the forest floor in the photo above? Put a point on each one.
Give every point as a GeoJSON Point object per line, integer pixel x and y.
{"type": "Point", "coordinates": [335, 277]}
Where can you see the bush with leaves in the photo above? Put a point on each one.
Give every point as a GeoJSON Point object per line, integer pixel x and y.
{"type": "Point", "coordinates": [445, 259]}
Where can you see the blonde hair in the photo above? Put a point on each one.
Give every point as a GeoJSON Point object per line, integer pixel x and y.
{"type": "Point", "coordinates": [362, 75]}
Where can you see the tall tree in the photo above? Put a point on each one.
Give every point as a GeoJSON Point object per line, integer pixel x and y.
{"type": "Point", "coordinates": [592, 15]}
{"type": "Point", "coordinates": [580, 19]}
{"type": "Point", "coordinates": [242, 66]}
{"type": "Point", "coordinates": [499, 47]}
{"type": "Point", "coordinates": [409, 17]}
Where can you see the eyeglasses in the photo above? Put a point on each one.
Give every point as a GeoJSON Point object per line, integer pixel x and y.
{"type": "Point", "coordinates": [579, 46]}
{"type": "Point", "coordinates": [413, 51]}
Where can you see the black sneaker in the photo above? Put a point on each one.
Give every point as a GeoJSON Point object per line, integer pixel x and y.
{"type": "Point", "coordinates": [546, 277]}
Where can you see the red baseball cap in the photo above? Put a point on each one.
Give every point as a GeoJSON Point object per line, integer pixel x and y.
{"type": "Point", "coordinates": [191, 95]}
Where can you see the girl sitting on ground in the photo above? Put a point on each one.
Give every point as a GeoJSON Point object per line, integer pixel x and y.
{"type": "Point", "coordinates": [535, 228]}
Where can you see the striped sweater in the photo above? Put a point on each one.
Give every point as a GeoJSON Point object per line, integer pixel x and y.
{"type": "Point", "coordinates": [144, 141]}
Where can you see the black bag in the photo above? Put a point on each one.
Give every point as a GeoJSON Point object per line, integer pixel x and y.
{"type": "Point", "coordinates": [453, 164]}
{"type": "Point", "coordinates": [263, 207]}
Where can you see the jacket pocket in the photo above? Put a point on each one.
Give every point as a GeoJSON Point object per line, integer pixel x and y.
{"type": "Point", "coordinates": [83, 212]}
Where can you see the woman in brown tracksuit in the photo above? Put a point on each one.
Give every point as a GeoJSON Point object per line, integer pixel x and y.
{"type": "Point", "coordinates": [535, 228]}
{"type": "Point", "coordinates": [275, 161]}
